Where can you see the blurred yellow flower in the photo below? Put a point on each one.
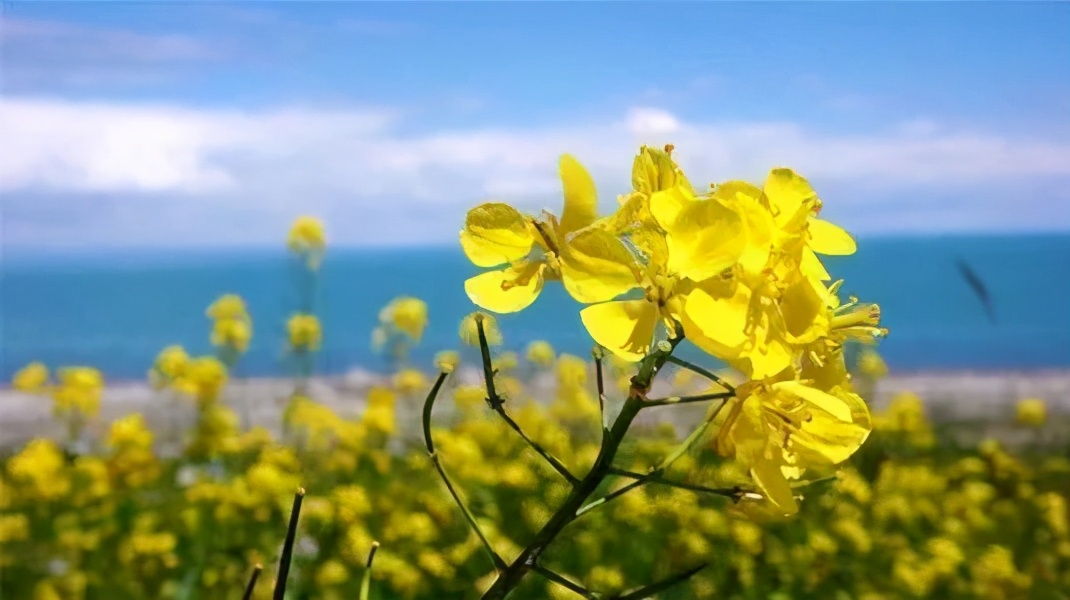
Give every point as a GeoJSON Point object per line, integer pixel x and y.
{"type": "Point", "coordinates": [203, 378]}
{"type": "Point", "coordinates": [541, 354]}
{"type": "Point", "coordinates": [446, 361]}
{"type": "Point", "coordinates": [1031, 412]}
{"type": "Point", "coordinates": [79, 390]}
{"type": "Point", "coordinates": [469, 331]}
{"type": "Point", "coordinates": [130, 431]}
{"type": "Point", "coordinates": [406, 314]}
{"type": "Point", "coordinates": [228, 306]}
{"type": "Point", "coordinates": [33, 378]}
{"type": "Point", "coordinates": [871, 364]}
{"type": "Point", "coordinates": [307, 238]}
{"type": "Point", "coordinates": [411, 381]}
{"type": "Point", "coordinates": [305, 332]}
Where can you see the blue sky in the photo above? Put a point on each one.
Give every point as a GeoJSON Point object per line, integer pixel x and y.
{"type": "Point", "coordinates": [196, 124]}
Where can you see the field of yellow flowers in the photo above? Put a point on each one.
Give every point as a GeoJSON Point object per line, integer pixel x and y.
{"type": "Point", "coordinates": [794, 490]}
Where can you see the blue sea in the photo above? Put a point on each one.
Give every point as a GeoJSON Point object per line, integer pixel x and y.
{"type": "Point", "coordinates": [117, 310]}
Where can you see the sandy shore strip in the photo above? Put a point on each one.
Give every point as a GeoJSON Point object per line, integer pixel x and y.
{"type": "Point", "coordinates": [260, 401]}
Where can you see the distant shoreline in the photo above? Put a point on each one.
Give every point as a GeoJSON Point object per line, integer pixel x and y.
{"type": "Point", "coordinates": [259, 401]}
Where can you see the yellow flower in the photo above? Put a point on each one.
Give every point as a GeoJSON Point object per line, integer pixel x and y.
{"type": "Point", "coordinates": [130, 431]}
{"type": "Point", "coordinates": [469, 331]}
{"type": "Point", "coordinates": [871, 364]}
{"type": "Point", "coordinates": [446, 361]}
{"type": "Point", "coordinates": [233, 333]}
{"type": "Point", "coordinates": [203, 378]}
{"type": "Point", "coordinates": [305, 332]}
{"type": "Point", "coordinates": [307, 238]}
{"type": "Point", "coordinates": [406, 314]}
{"type": "Point", "coordinates": [702, 240]}
{"type": "Point", "coordinates": [228, 306]}
{"type": "Point", "coordinates": [794, 205]}
{"type": "Point", "coordinates": [33, 378]}
{"type": "Point", "coordinates": [1031, 412]}
{"type": "Point", "coordinates": [79, 390]}
{"type": "Point", "coordinates": [653, 170]}
{"type": "Point", "coordinates": [541, 353]}
{"type": "Point", "coordinates": [591, 262]}
{"type": "Point", "coordinates": [170, 363]}
{"type": "Point", "coordinates": [775, 429]}
{"type": "Point", "coordinates": [411, 381]}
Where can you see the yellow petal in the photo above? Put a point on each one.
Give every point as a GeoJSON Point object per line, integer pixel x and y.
{"type": "Point", "coordinates": [787, 193]}
{"type": "Point", "coordinates": [626, 328]}
{"type": "Point", "coordinates": [596, 266]}
{"type": "Point", "coordinates": [815, 397]}
{"type": "Point", "coordinates": [706, 238]}
{"type": "Point", "coordinates": [506, 291]}
{"type": "Point", "coordinates": [494, 234]}
{"type": "Point", "coordinates": [823, 439]}
{"type": "Point", "coordinates": [666, 205]}
{"type": "Point", "coordinates": [811, 266]}
{"type": "Point", "coordinates": [758, 222]}
{"type": "Point", "coordinates": [774, 486]}
{"type": "Point", "coordinates": [803, 305]}
{"type": "Point", "coordinates": [767, 360]}
{"type": "Point", "coordinates": [715, 320]}
{"type": "Point", "coordinates": [581, 199]}
{"type": "Point", "coordinates": [826, 238]}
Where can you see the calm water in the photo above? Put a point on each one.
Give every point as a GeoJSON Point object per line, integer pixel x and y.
{"type": "Point", "coordinates": [117, 311]}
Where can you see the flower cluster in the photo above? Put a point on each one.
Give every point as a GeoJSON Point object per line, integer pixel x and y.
{"type": "Point", "coordinates": [735, 269]}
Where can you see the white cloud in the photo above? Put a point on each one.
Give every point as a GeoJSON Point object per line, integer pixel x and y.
{"type": "Point", "coordinates": [377, 184]}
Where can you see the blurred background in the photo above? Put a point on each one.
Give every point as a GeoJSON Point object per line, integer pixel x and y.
{"type": "Point", "coordinates": [155, 155]}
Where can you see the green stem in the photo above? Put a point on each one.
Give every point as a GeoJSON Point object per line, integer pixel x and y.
{"type": "Point", "coordinates": [428, 406]}
{"type": "Point", "coordinates": [497, 403]}
{"type": "Point", "coordinates": [560, 580]}
{"type": "Point", "coordinates": [648, 591]}
{"type": "Point", "coordinates": [689, 399]}
{"type": "Point", "coordinates": [252, 582]}
{"type": "Point", "coordinates": [366, 580]}
{"type": "Point", "coordinates": [288, 546]}
{"type": "Point", "coordinates": [701, 371]}
{"type": "Point", "coordinates": [508, 579]}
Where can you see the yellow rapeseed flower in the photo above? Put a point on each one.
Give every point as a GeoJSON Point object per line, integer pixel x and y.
{"type": "Point", "coordinates": [305, 332]}
{"type": "Point", "coordinates": [541, 354]}
{"type": "Point", "coordinates": [307, 238]}
{"type": "Point", "coordinates": [1031, 412]}
{"type": "Point", "coordinates": [469, 331]}
{"type": "Point", "coordinates": [79, 390]}
{"type": "Point", "coordinates": [406, 314]}
{"type": "Point", "coordinates": [33, 378]}
{"type": "Point", "coordinates": [775, 429]}
{"type": "Point", "coordinates": [446, 361]}
{"type": "Point", "coordinates": [591, 262]}
{"type": "Point", "coordinates": [203, 378]}
{"type": "Point", "coordinates": [130, 432]}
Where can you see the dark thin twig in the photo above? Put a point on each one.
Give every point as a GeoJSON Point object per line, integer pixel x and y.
{"type": "Point", "coordinates": [655, 478]}
{"type": "Point", "coordinates": [288, 546]}
{"type": "Point", "coordinates": [688, 399]}
{"type": "Point", "coordinates": [560, 580]}
{"type": "Point", "coordinates": [701, 371]}
{"type": "Point", "coordinates": [468, 516]}
{"type": "Point", "coordinates": [649, 590]}
{"type": "Point", "coordinates": [498, 405]}
{"type": "Point", "coordinates": [366, 580]}
{"type": "Point", "coordinates": [257, 568]}
{"type": "Point", "coordinates": [599, 354]}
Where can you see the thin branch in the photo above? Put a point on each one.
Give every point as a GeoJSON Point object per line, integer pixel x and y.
{"type": "Point", "coordinates": [428, 406]}
{"type": "Point", "coordinates": [556, 464]}
{"type": "Point", "coordinates": [257, 568]}
{"type": "Point", "coordinates": [497, 403]}
{"type": "Point", "coordinates": [288, 546]}
{"type": "Point", "coordinates": [732, 492]}
{"type": "Point", "coordinates": [560, 580]}
{"type": "Point", "coordinates": [599, 353]}
{"type": "Point", "coordinates": [701, 371]}
{"type": "Point", "coordinates": [649, 590]}
{"type": "Point", "coordinates": [610, 496]}
{"type": "Point", "coordinates": [493, 398]}
{"type": "Point", "coordinates": [366, 580]}
{"type": "Point", "coordinates": [688, 399]}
